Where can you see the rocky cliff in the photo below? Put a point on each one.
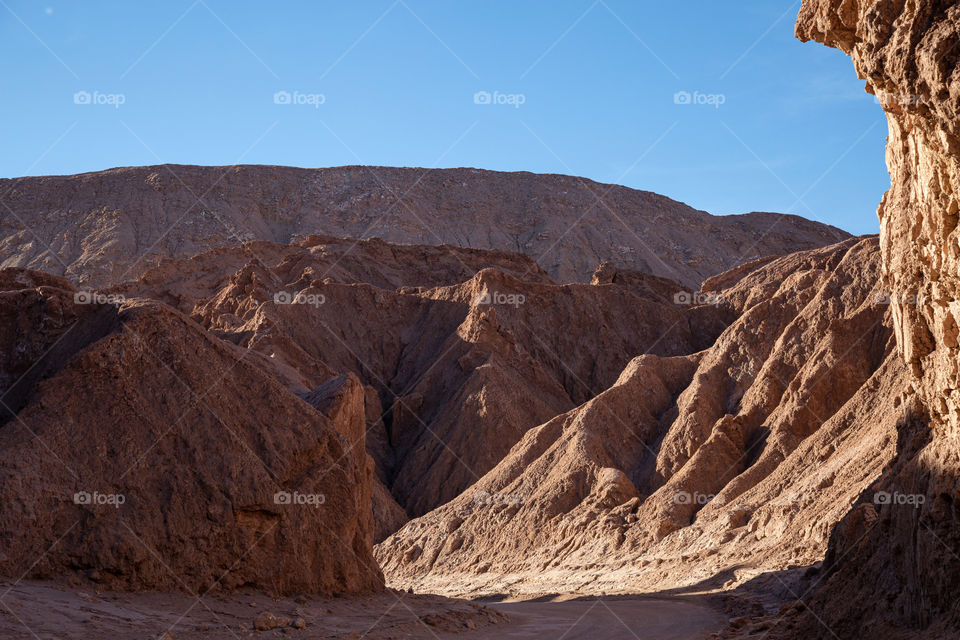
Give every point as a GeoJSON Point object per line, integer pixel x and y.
{"type": "Point", "coordinates": [893, 565]}
{"type": "Point", "coordinates": [619, 433]}
{"type": "Point", "coordinates": [139, 452]}
{"type": "Point", "coordinates": [604, 401]}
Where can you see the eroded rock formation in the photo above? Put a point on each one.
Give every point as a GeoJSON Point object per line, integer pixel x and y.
{"type": "Point", "coordinates": [461, 371]}
{"type": "Point", "coordinates": [893, 568]}
{"type": "Point", "coordinates": [628, 434]}
{"type": "Point", "coordinates": [141, 452]}
{"type": "Point", "coordinates": [714, 466]}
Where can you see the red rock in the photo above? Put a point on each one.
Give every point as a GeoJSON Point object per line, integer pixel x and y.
{"type": "Point", "coordinates": [687, 467]}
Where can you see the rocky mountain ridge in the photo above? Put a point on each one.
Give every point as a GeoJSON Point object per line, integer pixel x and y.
{"type": "Point", "coordinates": [108, 226]}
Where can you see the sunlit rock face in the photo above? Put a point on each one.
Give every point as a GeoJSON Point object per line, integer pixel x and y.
{"type": "Point", "coordinates": [903, 558]}
{"type": "Point", "coordinates": [908, 52]}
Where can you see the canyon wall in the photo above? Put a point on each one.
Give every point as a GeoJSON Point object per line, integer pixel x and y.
{"type": "Point", "coordinates": [895, 564]}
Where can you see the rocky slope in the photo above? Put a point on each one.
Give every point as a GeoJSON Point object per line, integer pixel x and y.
{"type": "Point", "coordinates": [104, 227]}
{"type": "Point", "coordinates": [458, 373]}
{"type": "Point", "coordinates": [141, 452]}
{"type": "Point", "coordinates": [183, 282]}
{"type": "Point", "coordinates": [711, 467]}
{"type": "Point", "coordinates": [893, 567]}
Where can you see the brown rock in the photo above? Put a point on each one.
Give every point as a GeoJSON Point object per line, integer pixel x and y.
{"type": "Point", "coordinates": [93, 218]}
{"type": "Point", "coordinates": [688, 467]}
{"type": "Point", "coordinates": [890, 567]}
{"type": "Point", "coordinates": [602, 438]}
{"type": "Point", "coordinates": [152, 455]}
{"type": "Point", "coordinates": [461, 371]}
{"type": "Point", "coordinates": [267, 621]}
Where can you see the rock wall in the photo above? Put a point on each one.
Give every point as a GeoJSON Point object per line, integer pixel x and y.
{"type": "Point", "coordinates": [896, 566]}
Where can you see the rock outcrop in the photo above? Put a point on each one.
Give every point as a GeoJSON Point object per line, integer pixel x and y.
{"type": "Point", "coordinates": [104, 227]}
{"type": "Point", "coordinates": [183, 282]}
{"type": "Point", "coordinates": [141, 452]}
{"type": "Point", "coordinates": [893, 563]}
{"type": "Point", "coordinates": [461, 371]}
{"type": "Point", "coordinates": [229, 400]}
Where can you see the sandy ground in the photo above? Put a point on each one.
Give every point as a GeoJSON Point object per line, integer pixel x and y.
{"type": "Point", "coordinates": [674, 618]}
{"type": "Point", "coordinates": [42, 610]}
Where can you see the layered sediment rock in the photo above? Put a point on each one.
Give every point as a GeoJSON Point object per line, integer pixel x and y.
{"type": "Point", "coordinates": [627, 434]}
{"type": "Point", "coordinates": [461, 371]}
{"type": "Point", "coordinates": [711, 467]}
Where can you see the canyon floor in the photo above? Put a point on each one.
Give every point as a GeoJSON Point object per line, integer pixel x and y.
{"type": "Point", "coordinates": [43, 610]}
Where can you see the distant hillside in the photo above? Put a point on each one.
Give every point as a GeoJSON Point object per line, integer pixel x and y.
{"type": "Point", "coordinates": [112, 225]}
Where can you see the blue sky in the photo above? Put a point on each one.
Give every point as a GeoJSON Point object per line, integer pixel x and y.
{"type": "Point", "coordinates": [714, 104]}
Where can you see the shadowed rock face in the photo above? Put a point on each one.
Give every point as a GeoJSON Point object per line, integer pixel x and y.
{"type": "Point", "coordinates": [104, 227]}
{"type": "Point", "coordinates": [145, 453]}
{"type": "Point", "coordinates": [893, 567]}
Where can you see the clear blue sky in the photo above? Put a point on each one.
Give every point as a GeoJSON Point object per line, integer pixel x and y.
{"type": "Point", "coordinates": [576, 86]}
